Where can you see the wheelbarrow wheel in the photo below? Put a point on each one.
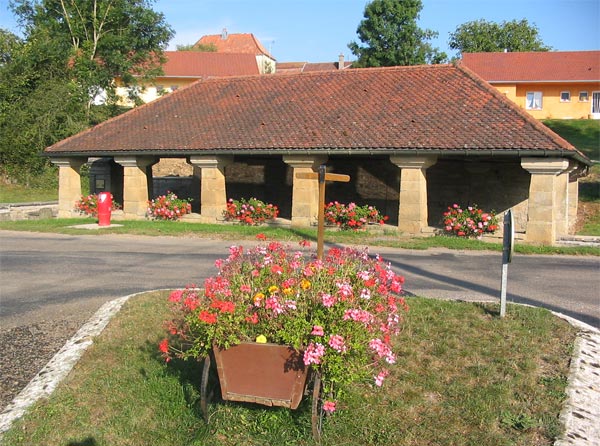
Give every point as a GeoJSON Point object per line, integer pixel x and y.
{"type": "Point", "coordinates": [317, 409]}
{"type": "Point", "coordinates": [204, 392]}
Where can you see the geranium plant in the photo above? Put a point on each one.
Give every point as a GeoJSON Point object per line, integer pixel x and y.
{"type": "Point", "coordinates": [342, 313]}
{"type": "Point", "coordinates": [168, 207]}
{"type": "Point", "coordinates": [250, 212]}
{"type": "Point", "coordinates": [352, 216]}
{"type": "Point", "coordinates": [88, 205]}
{"type": "Point", "coordinates": [469, 222]}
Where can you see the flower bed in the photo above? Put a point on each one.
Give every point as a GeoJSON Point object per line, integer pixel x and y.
{"type": "Point", "coordinates": [351, 216]}
{"type": "Point", "coordinates": [250, 212]}
{"type": "Point", "coordinates": [168, 207]}
{"type": "Point", "coordinates": [470, 222]}
{"type": "Point", "coordinates": [343, 312]}
{"type": "Point", "coordinates": [89, 205]}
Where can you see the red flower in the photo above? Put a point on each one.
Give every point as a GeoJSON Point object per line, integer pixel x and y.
{"type": "Point", "coordinates": [207, 317]}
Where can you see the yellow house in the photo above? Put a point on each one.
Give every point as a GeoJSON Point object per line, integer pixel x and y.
{"type": "Point", "coordinates": [548, 85]}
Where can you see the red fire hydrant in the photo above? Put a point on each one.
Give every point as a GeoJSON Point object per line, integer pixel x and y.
{"type": "Point", "coordinates": [104, 208]}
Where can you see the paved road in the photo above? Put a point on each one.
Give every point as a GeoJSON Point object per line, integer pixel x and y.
{"type": "Point", "coordinates": [45, 276]}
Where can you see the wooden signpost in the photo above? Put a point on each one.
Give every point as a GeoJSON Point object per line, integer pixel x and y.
{"type": "Point", "coordinates": [322, 176]}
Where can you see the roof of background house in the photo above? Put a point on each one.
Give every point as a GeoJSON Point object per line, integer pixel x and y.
{"type": "Point", "coordinates": [552, 66]}
{"type": "Point", "coordinates": [235, 43]}
{"type": "Point", "coordinates": [437, 109]}
{"type": "Point", "coordinates": [197, 64]}
{"type": "Point", "coordinates": [306, 67]}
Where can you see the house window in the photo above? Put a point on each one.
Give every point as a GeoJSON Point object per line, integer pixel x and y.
{"type": "Point", "coordinates": [174, 87]}
{"type": "Point", "coordinates": [583, 96]}
{"type": "Point", "coordinates": [534, 100]}
{"type": "Point", "coordinates": [565, 96]}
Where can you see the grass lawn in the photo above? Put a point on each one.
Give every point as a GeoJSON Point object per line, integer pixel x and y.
{"type": "Point", "coordinates": [15, 193]}
{"type": "Point", "coordinates": [464, 377]}
{"type": "Point", "coordinates": [582, 133]}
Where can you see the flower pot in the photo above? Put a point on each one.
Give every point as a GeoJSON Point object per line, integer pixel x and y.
{"type": "Point", "coordinates": [268, 374]}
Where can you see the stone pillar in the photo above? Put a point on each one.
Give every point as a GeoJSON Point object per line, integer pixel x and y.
{"type": "Point", "coordinates": [546, 197]}
{"type": "Point", "coordinates": [305, 192]}
{"type": "Point", "coordinates": [412, 210]}
{"type": "Point", "coordinates": [573, 201]}
{"type": "Point", "coordinates": [135, 184]}
{"type": "Point", "coordinates": [213, 195]}
{"type": "Point", "coordinates": [69, 184]}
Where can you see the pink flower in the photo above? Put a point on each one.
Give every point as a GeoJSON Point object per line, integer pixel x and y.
{"type": "Point", "coordinates": [337, 343]}
{"type": "Point", "coordinates": [317, 331]}
{"type": "Point", "coordinates": [328, 300]}
{"type": "Point", "coordinates": [175, 296]}
{"type": "Point", "coordinates": [313, 353]}
{"type": "Point", "coordinates": [329, 406]}
{"type": "Point", "coordinates": [380, 377]}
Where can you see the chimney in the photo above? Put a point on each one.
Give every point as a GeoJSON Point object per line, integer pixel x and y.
{"type": "Point", "coordinates": [341, 61]}
{"type": "Point", "coordinates": [224, 34]}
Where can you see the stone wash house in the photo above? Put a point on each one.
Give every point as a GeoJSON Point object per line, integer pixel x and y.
{"type": "Point", "coordinates": [414, 140]}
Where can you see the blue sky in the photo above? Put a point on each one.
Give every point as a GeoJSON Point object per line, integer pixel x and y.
{"type": "Point", "coordinates": [319, 30]}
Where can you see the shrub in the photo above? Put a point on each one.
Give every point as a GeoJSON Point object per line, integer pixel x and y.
{"type": "Point", "coordinates": [352, 216]}
{"type": "Point", "coordinates": [250, 212]}
{"type": "Point", "coordinates": [471, 222]}
{"type": "Point", "coordinates": [168, 207]}
{"type": "Point", "coordinates": [89, 205]}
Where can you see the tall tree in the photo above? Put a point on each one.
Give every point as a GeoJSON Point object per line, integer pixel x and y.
{"type": "Point", "coordinates": [489, 37]}
{"type": "Point", "coordinates": [71, 50]}
{"type": "Point", "coordinates": [103, 39]}
{"type": "Point", "coordinates": [392, 37]}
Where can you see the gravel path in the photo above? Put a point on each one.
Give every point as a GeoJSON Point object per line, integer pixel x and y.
{"type": "Point", "coordinates": [27, 349]}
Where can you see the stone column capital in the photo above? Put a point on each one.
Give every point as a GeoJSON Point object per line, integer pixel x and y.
{"type": "Point", "coordinates": [413, 162]}
{"type": "Point", "coordinates": [307, 161]}
{"type": "Point", "coordinates": [210, 161]}
{"type": "Point", "coordinates": [75, 163]}
{"type": "Point", "coordinates": [544, 166]}
{"type": "Point", "coordinates": [136, 161]}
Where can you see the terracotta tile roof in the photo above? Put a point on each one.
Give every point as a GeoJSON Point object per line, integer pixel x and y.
{"type": "Point", "coordinates": [200, 64]}
{"type": "Point", "coordinates": [440, 109]}
{"type": "Point", "coordinates": [235, 43]}
{"type": "Point", "coordinates": [554, 66]}
{"type": "Point", "coordinates": [307, 67]}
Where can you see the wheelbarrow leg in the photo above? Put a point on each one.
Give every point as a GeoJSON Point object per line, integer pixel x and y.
{"type": "Point", "coordinates": [204, 388]}
{"type": "Point", "coordinates": [317, 412]}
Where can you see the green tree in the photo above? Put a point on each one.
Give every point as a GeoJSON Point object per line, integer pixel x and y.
{"type": "Point", "coordinates": [489, 37]}
{"type": "Point", "coordinates": [71, 50]}
{"type": "Point", "coordinates": [391, 36]}
{"type": "Point", "coordinates": [208, 48]}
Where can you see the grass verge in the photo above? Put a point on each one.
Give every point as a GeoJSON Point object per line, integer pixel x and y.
{"type": "Point", "coordinates": [376, 237]}
{"type": "Point", "coordinates": [464, 377]}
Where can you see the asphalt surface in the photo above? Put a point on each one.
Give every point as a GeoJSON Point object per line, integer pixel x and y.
{"type": "Point", "coordinates": [46, 276]}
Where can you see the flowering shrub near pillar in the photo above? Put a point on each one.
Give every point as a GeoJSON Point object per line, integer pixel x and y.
{"type": "Point", "coordinates": [343, 313]}
{"type": "Point", "coordinates": [470, 222]}
{"type": "Point", "coordinates": [168, 207]}
{"type": "Point", "coordinates": [250, 212]}
{"type": "Point", "coordinates": [352, 216]}
{"type": "Point", "coordinates": [89, 205]}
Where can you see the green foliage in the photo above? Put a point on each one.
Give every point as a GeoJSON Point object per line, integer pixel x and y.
{"type": "Point", "coordinates": [392, 37]}
{"type": "Point", "coordinates": [200, 47]}
{"type": "Point", "coordinates": [71, 51]}
{"type": "Point", "coordinates": [489, 37]}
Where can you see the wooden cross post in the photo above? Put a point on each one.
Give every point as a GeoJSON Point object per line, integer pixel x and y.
{"type": "Point", "coordinates": [322, 176]}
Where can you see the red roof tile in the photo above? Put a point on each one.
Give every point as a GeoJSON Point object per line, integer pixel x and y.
{"type": "Point", "coordinates": [434, 109]}
{"type": "Point", "coordinates": [208, 64]}
{"type": "Point", "coordinates": [563, 66]}
{"type": "Point", "coordinates": [235, 43]}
